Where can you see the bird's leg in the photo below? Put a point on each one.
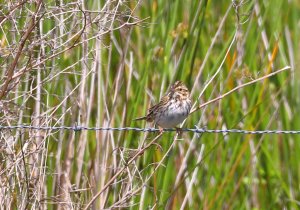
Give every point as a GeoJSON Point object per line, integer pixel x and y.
{"type": "Point", "coordinates": [161, 130]}
{"type": "Point", "coordinates": [178, 131]}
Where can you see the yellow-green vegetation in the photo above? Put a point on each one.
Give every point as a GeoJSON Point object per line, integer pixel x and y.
{"type": "Point", "coordinates": [104, 63]}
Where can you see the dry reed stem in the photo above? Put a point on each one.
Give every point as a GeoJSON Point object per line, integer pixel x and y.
{"type": "Point", "coordinates": [31, 66]}
{"type": "Point", "coordinates": [239, 87]}
{"type": "Point", "coordinates": [116, 175]}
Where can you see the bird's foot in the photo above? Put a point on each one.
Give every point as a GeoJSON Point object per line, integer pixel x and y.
{"type": "Point", "coordinates": [161, 130]}
{"type": "Point", "coordinates": [179, 131]}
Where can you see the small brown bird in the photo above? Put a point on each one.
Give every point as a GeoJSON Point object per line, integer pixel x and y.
{"type": "Point", "coordinates": [172, 109]}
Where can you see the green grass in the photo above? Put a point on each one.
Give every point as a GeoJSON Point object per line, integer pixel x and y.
{"type": "Point", "coordinates": [109, 79]}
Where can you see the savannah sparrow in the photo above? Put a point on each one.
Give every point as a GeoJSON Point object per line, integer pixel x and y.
{"type": "Point", "coordinates": [172, 109]}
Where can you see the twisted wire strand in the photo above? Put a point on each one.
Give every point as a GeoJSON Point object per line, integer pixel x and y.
{"type": "Point", "coordinates": [195, 130]}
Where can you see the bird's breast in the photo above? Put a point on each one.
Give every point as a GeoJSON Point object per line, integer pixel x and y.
{"type": "Point", "coordinates": [174, 113]}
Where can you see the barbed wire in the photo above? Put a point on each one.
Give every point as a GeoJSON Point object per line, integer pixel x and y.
{"type": "Point", "coordinates": [195, 130]}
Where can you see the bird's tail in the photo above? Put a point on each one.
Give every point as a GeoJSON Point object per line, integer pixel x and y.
{"type": "Point", "coordinates": [140, 118]}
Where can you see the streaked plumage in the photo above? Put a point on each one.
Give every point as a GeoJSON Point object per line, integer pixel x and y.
{"type": "Point", "coordinates": [172, 109]}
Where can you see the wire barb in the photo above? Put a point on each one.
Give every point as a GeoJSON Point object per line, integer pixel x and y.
{"type": "Point", "coordinates": [77, 128]}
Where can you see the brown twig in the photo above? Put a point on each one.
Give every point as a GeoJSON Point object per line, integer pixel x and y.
{"type": "Point", "coordinates": [76, 43]}
{"type": "Point", "coordinates": [9, 73]}
{"type": "Point", "coordinates": [11, 10]}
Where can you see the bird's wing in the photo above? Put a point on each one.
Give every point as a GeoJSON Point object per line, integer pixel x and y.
{"type": "Point", "coordinates": [163, 101]}
{"type": "Point", "coordinates": [154, 109]}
